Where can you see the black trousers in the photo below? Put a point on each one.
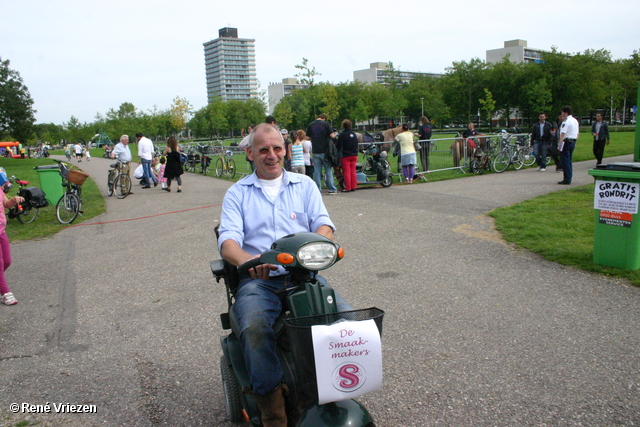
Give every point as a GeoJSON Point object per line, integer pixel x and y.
{"type": "Point", "coordinates": [598, 149]}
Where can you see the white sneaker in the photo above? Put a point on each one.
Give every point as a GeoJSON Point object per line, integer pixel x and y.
{"type": "Point", "coordinates": [8, 299]}
{"type": "Point", "coordinates": [541, 169]}
{"type": "Point", "coordinates": [538, 168]}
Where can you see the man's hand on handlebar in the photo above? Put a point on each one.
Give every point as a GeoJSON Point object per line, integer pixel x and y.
{"type": "Point", "coordinates": [255, 269]}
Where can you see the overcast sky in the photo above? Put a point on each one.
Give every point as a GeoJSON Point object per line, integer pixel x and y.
{"type": "Point", "coordinates": [80, 58]}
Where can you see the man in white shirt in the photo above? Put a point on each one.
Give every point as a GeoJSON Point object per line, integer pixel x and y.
{"type": "Point", "coordinates": [567, 143]}
{"type": "Point", "coordinates": [145, 152]}
{"type": "Point", "coordinates": [77, 150]}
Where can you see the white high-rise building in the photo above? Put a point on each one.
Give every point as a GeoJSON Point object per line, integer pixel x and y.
{"type": "Point", "coordinates": [230, 64]}
{"type": "Point", "coordinates": [277, 91]}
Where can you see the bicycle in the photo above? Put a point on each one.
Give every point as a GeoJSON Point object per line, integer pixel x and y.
{"type": "Point", "coordinates": [193, 158]}
{"type": "Point", "coordinates": [34, 199]}
{"type": "Point", "coordinates": [509, 155]}
{"type": "Point", "coordinates": [70, 204]}
{"type": "Point", "coordinates": [118, 181]}
{"type": "Point", "coordinates": [205, 162]}
{"type": "Point", "coordinates": [225, 164]}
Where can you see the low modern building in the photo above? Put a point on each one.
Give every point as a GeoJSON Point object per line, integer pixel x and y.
{"type": "Point", "coordinates": [378, 73]}
{"type": "Point", "coordinates": [230, 64]}
{"type": "Point", "coordinates": [518, 52]}
{"type": "Point", "coordinates": [277, 91]}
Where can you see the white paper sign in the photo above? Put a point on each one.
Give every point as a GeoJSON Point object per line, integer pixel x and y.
{"type": "Point", "coordinates": [348, 359]}
{"type": "Point", "coordinates": [616, 196]}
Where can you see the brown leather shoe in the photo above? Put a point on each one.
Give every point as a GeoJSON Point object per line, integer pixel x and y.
{"type": "Point", "coordinates": [272, 407]}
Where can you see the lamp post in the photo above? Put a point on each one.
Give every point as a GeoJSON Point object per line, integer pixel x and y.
{"type": "Point", "coordinates": [422, 110]}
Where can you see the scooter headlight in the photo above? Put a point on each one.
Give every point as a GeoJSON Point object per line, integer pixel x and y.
{"type": "Point", "coordinates": [317, 255]}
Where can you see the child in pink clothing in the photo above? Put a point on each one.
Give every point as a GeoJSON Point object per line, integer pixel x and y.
{"type": "Point", "coordinates": [6, 297]}
{"type": "Point", "coordinates": [160, 171]}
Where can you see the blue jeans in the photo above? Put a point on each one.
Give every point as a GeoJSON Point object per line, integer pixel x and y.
{"type": "Point", "coordinates": [319, 162]}
{"type": "Point", "coordinates": [540, 150]}
{"type": "Point", "coordinates": [257, 307]}
{"type": "Point", "coordinates": [148, 176]}
{"type": "Point", "coordinates": [567, 154]}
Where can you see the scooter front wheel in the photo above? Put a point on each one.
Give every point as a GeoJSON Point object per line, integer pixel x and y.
{"type": "Point", "coordinates": [231, 388]}
{"type": "Point", "coordinates": [387, 180]}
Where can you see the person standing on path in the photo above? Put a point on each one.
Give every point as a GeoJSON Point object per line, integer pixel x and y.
{"type": "Point", "coordinates": [407, 153]}
{"type": "Point", "coordinates": [348, 148]}
{"type": "Point", "coordinates": [77, 150]}
{"type": "Point", "coordinates": [541, 138]}
{"type": "Point", "coordinates": [245, 142]}
{"type": "Point", "coordinates": [424, 134]}
{"type": "Point", "coordinates": [6, 296]}
{"type": "Point", "coordinates": [145, 152]}
{"type": "Point", "coordinates": [173, 167]}
{"type": "Point", "coordinates": [600, 132]}
{"type": "Point", "coordinates": [568, 137]}
{"type": "Point", "coordinates": [306, 152]}
{"type": "Point", "coordinates": [321, 134]}
{"type": "Point", "coordinates": [296, 152]}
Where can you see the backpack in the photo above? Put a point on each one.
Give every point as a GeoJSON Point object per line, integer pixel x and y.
{"type": "Point", "coordinates": [34, 196]}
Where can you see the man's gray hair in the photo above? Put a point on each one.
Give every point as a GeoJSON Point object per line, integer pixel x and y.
{"type": "Point", "coordinates": [123, 137]}
{"type": "Point", "coordinates": [260, 129]}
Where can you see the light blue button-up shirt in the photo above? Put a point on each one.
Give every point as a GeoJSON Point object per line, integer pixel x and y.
{"type": "Point", "coordinates": [255, 222]}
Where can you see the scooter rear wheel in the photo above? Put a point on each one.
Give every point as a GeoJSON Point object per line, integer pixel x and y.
{"type": "Point", "coordinates": [231, 388]}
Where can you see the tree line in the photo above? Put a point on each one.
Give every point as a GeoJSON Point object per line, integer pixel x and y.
{"type": "Point", "coordinates": [475, 90]}
{"type": "Point", "coordinates": [469, 91]}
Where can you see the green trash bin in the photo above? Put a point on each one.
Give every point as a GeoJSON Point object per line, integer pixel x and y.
{"type": "Point", "coordinates": [617, 223]}
{"type": "Point", "coordinates": [50, 182]}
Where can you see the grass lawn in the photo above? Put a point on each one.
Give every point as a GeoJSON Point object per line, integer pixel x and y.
{"type": "Point", "coordinates": [569, 242]}
{"type": "Point", "coordinates": [46, 223]}
{"type": "Point", "coordinates": [534, 225]}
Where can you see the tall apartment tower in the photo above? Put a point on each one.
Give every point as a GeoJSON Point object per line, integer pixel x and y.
{"type": "Point", "coordinates": [230, 65]}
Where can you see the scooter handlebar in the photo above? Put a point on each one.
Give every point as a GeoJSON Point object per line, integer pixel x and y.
{"type": "Point", "coordinates": [243, 269]}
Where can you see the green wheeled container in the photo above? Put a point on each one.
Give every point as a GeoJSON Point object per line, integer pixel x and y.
{"type": "Point", "coordinates": [50, 182]}
{"type": "Point", "coordinates": [617, 223]}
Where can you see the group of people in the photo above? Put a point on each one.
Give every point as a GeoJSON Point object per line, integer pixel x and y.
{"type": "Point", "coordinates": [559, 141]}
{"type": "Point", "coordinates": [79, 151]}
{"type": "Point", "coordinates": [152, 169]}
{"type": "Point", "coordinates": [305, 151]}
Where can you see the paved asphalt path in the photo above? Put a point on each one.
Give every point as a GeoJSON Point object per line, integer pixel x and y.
{"type": "Point", "coordinates": [122, 312]}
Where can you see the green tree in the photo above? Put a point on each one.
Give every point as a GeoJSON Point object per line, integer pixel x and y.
{"type": "Point", "coordinates": [306, 74]}
{"type": "Point", "coordinates": [488, 106]}
{"type": "Point", "coordinates": [426, 91]}
{"type": "Point", "coordinates": [17, 115]}
{"type": "Point", "coordinates": [463, 85]}
{"type": "Point", "coordinates": [504, 80]}
{"type": "Point", "coordinates": [180, 113]}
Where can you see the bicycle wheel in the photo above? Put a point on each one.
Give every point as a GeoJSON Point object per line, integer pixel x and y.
{"type": "Point", "coordinates": [67, 208]}
{"type": "Point", "coordinates": [367, 167]}
{"type": "Point", "coordinates": [517, 160]}
{"type": "Point", "coordinates": [122, 186]}
{"type": "Point", "coordinates": [28, 215]}
{"type": "Point", "coordinates": [501, 162]}
{"type": "Point", "coordinates": [219, 167]}
{"type": "Point", "coordinates": [192, 164]}
{"type": "Point", "coordinates": [474, 166]}
{"type": "Point", "coordinates": [110, 184]}
{"type": "Point", "coordinates": [231, 168]}
{"type": "Point", "coordinates": [527, 156]}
